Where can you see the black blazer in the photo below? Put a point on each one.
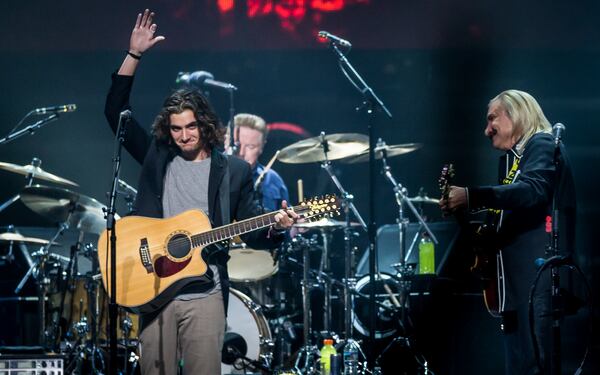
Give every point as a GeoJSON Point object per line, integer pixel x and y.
{"type": "Point", "coordinates": [526, 203]}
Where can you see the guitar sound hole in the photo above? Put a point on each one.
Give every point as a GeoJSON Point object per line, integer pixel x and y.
{"type": "Point", "coordinates": [179, 246]}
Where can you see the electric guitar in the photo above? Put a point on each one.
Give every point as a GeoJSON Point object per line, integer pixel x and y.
{"type": "Point", "coordinates": [155, 258]}
{"type": "Point", "coordinates": [488, 266]}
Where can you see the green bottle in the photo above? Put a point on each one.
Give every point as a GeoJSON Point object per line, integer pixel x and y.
{"type": "Point", "coordinates": [326, 352]}
{"type": "Point", "coordinates": [426, 255]}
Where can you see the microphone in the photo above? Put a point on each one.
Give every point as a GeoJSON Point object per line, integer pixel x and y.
{"type": "Point", "coordinates": [334, 39]}
{"type": "Point", "coordinates": [558, 129]}
{"type": "Point", "coordinates": [202, 78]}
{"type": "Point", "coordinates": [55, 109]}
{"type": "Point", "coordinates": [234, 347]}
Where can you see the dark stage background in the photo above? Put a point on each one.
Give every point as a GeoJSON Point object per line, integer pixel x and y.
{"type": "Point", "coordinates": [434, 63]}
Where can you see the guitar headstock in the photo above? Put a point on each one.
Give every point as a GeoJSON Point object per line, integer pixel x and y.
{"type": "Point", "coordinates": [318, 207]}
{"type": "Point", "coordinates": [446, 178]}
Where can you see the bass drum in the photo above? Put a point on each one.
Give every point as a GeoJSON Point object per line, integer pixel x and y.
{"type": "Point", "coordinates": [386, 322]}
{"type": "Point", "coordinates": [247, 335]}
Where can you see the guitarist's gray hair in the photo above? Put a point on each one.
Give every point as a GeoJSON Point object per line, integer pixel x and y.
{"type": "Point", "coordinates": [526, 114]}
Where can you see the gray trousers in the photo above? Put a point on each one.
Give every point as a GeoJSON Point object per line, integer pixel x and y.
{"type": "Point", "coordinates": [191, 331]}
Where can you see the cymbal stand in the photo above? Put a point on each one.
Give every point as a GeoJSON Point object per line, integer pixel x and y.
{"type": "Point", "coordinates": [71, 271]}
{"type": "Point", "coordinates": [38, 270]}
{"type": "Point", "coordinates": [400, 193]}
{"type": "Point", "coordinates": [326, 281]}
{"type": "Point", "coordinates": [349, 280]}
{"type": "Point", "coordinates": [308, 352]}
{"type": "Point", "coordinates": [404, 271]}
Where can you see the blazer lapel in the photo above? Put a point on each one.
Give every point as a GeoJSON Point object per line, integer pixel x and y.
{"type": "Point", "coordinates": [217, 170]}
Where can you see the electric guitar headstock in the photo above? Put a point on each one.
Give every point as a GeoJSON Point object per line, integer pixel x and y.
{"type": "Point", "coordinates": [446, 179]}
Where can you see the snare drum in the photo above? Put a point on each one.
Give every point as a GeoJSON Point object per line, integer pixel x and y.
{"type": "Point", "coordinates": [246, 264]}
{"type": "Point", "coordinates": [247, 333]}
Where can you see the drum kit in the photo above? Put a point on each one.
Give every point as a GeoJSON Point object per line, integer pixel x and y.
{"type": "Point", "coordinates": [271, 327]}
{"type": "Point", "coordinates": [269, 282]}
{"type": "Point", "coordinates": [72, 305]}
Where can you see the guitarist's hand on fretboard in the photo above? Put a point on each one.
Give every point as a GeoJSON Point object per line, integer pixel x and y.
{"type": "Point", "coordinates": [454, 200]}
{"type": "Point", "coordinates": [285, 218]}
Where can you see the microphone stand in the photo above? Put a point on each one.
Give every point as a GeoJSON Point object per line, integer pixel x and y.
{"type": "Point", "coordinates": [232, 146]}
{"type": "Point", "coordinates": [124, 117]}
{"type": "Point", "coordinates": [29, 129]}
{"type": "Point", "coordinates": [556, 302]}
{"type": "Point", "coordinates": [370, 102]}
{"type": "Point", "coordinates": [348, 204]}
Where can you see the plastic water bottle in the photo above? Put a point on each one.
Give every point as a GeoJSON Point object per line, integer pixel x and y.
{"type": "Point", "coordinates": [326, 352]}
{"type": "Point", "coordinates": [350, 358]}
{"type": "Point", "coordinates": [426, 255]}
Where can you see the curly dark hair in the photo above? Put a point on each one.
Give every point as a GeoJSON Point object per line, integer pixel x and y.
{"type": "Point", "coordinates": [212, 133]}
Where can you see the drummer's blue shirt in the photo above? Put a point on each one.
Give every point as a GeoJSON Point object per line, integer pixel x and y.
{"type": "Point", "coordinates": [272, 187]}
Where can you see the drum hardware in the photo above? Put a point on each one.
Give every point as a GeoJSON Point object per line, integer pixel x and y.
{"type": "Point", "coordinates": [306, 361]}
{"type": "Point", "coordinates": [84, 342]}
{"type": "Point", "coordinates": [325, 148]}
{"type": "Point", "coordinates": [405, 271]}
{"type": "Point", "coordinates": [349, 280]}
{"type": "Point", "coordinates": [39, 271]}
{"type": "Point", "coordinates": [75, 210]}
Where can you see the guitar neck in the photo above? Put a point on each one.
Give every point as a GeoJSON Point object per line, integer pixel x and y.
{"type": "Point", "coordinates": [315, 207]}
{"type": "Point", "coordinates": [235, 229]}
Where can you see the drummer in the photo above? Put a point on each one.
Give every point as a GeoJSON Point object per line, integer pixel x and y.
{"type": "Point", "coordinates": [250, 136]}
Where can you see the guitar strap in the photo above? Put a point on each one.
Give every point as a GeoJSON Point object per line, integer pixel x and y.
{"type": "Point", "coordinates": [511, 175]}
{"type": "Point", "coordinates": [217, 252]}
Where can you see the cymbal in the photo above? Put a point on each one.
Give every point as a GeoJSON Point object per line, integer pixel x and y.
{"type": "Point", "coordinates": [325, 223]}
{"type": "Point", "coordinates": [62, 205]}
{"type": "Point", "coordinates": [37, 172]}
{"type": "Point", "coordinates": [423, 199]}
{"type": "Point", "coordinates": [16, 237]}
{"type": "Point", "coordinates": [341, 145]}
{"type": "Point", "coordinates": [391, 150]}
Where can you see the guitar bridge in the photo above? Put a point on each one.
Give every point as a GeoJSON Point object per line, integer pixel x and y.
{"type": "Point", "coordinates": [145, 255]}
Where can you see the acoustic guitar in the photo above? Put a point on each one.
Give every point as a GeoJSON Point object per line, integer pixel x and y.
{"type": "Point", "coordinates": [488, 266]}
{"type": "Point", "coordinates": [155, 258]}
